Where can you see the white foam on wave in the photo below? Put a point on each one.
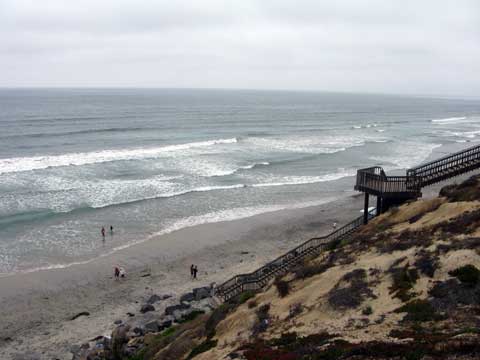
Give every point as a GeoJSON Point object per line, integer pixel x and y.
{"type": "Point", "coordinates": [449, 120]}
{"type": "Point", "coordinates": [366, 126]}
{"type": "Point", "coordinates": [219, 173]}
{"type": "Point", "coordinates": [301, 180]}
{"type": "Point", "coordinates": [251, 166]}
{"type": "Point", "coordinates": [43, 162]}
{"type": "Point", "coordinates": [68, 195]}
{"type": "Point", "coordinates": [325, 144]}
{"type": "Point", "coordinates": [170, 194]}
{"type": "Point", "coordinates": [466, 134]}
{"type": "Point", "coordinates": [459, 134]}
{"type": "Point", "coordinates": [61, 195]}
{"type": "Point", "coordinates": [406, 154]}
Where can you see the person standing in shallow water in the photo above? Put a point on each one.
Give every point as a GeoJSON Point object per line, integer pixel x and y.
{"type": "Point", "coordinates": [111, 230]}
{"type": "Point", "coordinates": [103, 233]}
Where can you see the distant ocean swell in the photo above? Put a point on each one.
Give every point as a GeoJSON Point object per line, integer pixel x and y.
{"type": "Point", "coordinates": [77, 132]}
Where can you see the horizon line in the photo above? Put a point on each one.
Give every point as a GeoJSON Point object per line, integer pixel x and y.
{"type": "Point", "coordinates": [443, 96]}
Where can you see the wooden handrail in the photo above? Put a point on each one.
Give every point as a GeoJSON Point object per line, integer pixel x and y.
{"type": "Point", "coordinates": [373, 180]}
{"type": "Point", "coordinates": [447, 166]}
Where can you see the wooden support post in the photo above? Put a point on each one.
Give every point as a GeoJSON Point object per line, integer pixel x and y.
{"type": "Point", "coordinates": [379, 205]}
{"type": "Point", "coordinates": [365, 209]}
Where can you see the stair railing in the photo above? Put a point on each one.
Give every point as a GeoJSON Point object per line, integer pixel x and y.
{"type": "Point", "coordinates": [260, 277]}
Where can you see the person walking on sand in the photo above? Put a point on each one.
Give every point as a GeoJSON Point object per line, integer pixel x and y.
{"type": "Point", "coordinates": [195, 270]}
{"type": "Point", "coordinates": [103, 233]}
{"type": "Point", "coordinates": [117, 272]}
{"type": "Point", "coordinates": [191, 271]}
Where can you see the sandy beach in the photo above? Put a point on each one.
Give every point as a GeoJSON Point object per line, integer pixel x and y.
{"type": "Point", "coordinates": [37, 307]}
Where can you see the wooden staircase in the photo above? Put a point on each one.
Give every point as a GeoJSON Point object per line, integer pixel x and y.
{"type": "Point", "coordinates": [259, 278]}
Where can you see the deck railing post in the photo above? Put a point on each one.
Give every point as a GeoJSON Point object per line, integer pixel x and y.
{"type": "Point", "coordinates": [379, 205]}
{"type": "Point", "coordinates": [365, 209]}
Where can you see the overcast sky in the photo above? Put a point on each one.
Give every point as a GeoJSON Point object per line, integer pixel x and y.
{"type": "Point", "coordinates": [401, 46]}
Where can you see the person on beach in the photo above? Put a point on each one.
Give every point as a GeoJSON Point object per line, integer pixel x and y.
{"type": "Point", "coordinates": [191, 271]}
{"type": "Point", "coordinates": [334, 225]}
{"type": "Point", "coordinates": [195, 270]}
{"type": "Point", "coordinates": [111, 230]}
{"type": "Point", "coordinates": [103, 233]}
{"type": "Point", "coordinates": [122, 272]}
{"type": "Point", "coordinates": [117, 272]}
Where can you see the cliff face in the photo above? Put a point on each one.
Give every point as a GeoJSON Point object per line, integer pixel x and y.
{"type": "Point", "coordinates": [406, 286]}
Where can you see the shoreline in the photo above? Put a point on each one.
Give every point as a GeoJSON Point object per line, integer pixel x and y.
{"type": "Point", "coordinates": [153, 237]}
{"type": "Point", "coordinates": [37, 306]}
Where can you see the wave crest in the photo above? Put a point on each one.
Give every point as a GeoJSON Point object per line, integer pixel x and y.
{"type": "Point", "coordinates": [451, 119]}
{"type": "Point", "coordinates": [42, 162]}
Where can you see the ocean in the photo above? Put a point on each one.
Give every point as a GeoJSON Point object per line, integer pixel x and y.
{"type": "Point", "coordinates": [149, 162]}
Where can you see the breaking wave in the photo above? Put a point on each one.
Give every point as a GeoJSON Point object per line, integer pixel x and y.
{"type": "Point", "coordinates": [42, 162]}
{"type": "Point", "coordinates": [451, 119]}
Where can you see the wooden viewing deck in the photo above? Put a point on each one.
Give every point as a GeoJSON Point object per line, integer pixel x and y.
{"type": "Point", "coordinates": [389, 190]}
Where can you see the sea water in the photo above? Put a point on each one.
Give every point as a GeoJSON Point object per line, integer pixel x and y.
{"type": "Point", "coordinates": [149, 162]}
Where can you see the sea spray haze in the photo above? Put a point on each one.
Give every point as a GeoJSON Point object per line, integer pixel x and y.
{"type": "Point", "coordinates": [153, 161]}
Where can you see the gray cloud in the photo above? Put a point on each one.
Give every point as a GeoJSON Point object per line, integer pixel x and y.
{"type": "Point", "coordinates": [419, 47]}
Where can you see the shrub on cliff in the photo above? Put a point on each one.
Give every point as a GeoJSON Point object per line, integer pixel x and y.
{"type": "Point", "coordinates": [406, 240]}
{"type": "Point", "coordinates": [308, 270]}
{"type": "Point", "coordinates": [350, 291]}
{"type": "Point", "coordinates": [404, 279]}
{"type": "Point", "coordinates": [468, 275]}
{"type": "Point", "coordinates": [283, 288]}
{"type": "Point", "coordinates": [426, 263]}
{"type": "Point", "coordinates": [418, 310]}
{"type": "Point", "coordinates": [244, 297]}
{"type": "Point", "coordinates": [263, 319]}
{"type": "Point", "coordinates": [367, 311]}
{"type": "Point", "coordinates": [203, 347]}
{"type": "Point", "coordinates": [466, 223]}
{"type": "Point", "coordinates": [466, 191]}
